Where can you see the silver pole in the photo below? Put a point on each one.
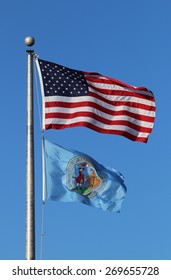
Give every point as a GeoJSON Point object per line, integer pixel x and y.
{"type": "Point", "coordinates": [30, 199]}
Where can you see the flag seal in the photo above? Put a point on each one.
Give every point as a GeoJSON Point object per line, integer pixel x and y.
{"type": "Point", "coordinates": [82, 177]}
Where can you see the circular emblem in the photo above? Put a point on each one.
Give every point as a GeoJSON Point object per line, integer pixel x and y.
{"type": "Point", "coordinates": [83, 178]}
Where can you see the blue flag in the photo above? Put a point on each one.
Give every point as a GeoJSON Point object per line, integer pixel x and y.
{"type": "Point", "coordinates": [71, 176]}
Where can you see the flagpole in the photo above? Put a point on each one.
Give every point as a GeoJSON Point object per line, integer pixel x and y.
{"type": "Point", "coordinates": [30, 199]}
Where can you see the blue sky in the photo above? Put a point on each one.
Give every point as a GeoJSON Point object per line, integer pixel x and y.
{"type": "Point", "coordinates": [126, 40]}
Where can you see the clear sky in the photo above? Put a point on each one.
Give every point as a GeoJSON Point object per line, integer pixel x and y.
{"type": "Point", "coordinates": [126, 40]}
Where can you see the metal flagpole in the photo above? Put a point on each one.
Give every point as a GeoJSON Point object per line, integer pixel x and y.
{"type": "Point", "coordinates": [30, 200]}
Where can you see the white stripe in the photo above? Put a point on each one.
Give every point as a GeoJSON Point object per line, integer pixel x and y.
{"type": "Point", "coordinates": [100, 114]}
{"type": "Point", "coordinates": [117, 87]}
{"type": "Point", "coordinates": [101, 103]}
{"type": "Point", "coordinates": [98, 124]}
{"type": "Point", "coordinates": [95, 76]}
{"type": "Point", "coordinates": [125, 98]}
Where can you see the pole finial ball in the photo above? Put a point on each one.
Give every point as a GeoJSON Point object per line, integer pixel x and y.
{"type": "Point", "coordinates": [29, 41]}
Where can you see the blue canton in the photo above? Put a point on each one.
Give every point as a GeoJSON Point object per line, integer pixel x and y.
{"type": "Point", "coordinates": [62, 81]}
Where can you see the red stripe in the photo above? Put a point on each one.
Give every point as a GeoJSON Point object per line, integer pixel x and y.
{"type": "Point", "coordinates": [98, 118]}
{"type": "Point", "coordinates": [101, 130]}
{"type": "Point", "coordinates": [121, 103]}
{"type": "Point", "coordinates": [112, 81]}
{"type": "Point", "coordinates": [90, 104]}
{"type": "Point", "coordinates": [100, 108]}
{"type": "Point", "coordinates": [115, 92]}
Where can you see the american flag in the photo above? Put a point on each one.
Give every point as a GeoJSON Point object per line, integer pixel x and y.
{"type": "Point", "coordinates": [76, 98]}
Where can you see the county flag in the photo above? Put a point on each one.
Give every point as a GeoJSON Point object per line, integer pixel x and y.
{"type": "Point", "coordinates": [76, 98]}
{"type": "Point", "coordinates": [72, 176]}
